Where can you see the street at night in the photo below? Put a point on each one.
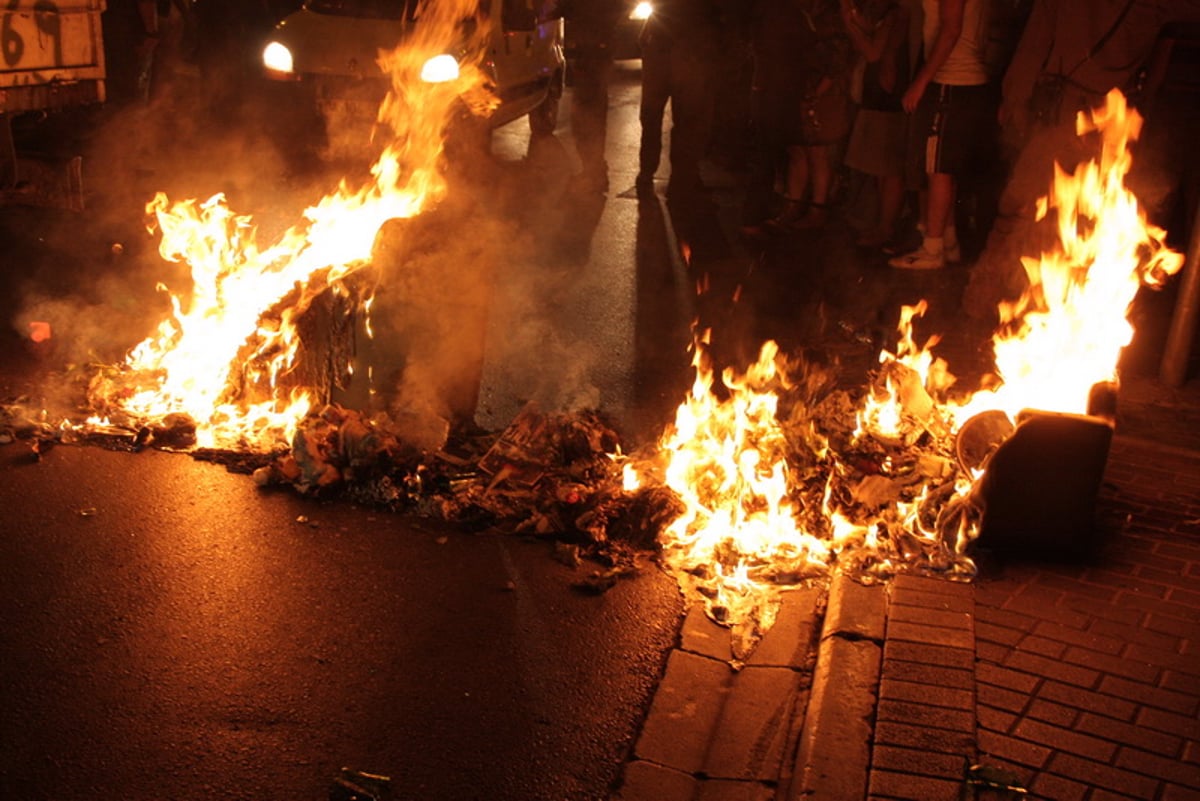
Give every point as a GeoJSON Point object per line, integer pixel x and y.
{"type": "Point", "coordinates": [178, 625]}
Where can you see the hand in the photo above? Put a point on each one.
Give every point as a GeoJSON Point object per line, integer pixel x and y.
{"type": "Point", "coordinates": [1014, 118]}
{"type": "Point", "coordinates": [912, 96]}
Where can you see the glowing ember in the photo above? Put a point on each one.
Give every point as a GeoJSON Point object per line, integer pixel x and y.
{"type": "Point", "coordinates": [223, 356]}
{"type": "Point", "coordinates": [893, 494]}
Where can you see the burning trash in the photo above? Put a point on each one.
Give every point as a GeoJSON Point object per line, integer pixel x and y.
{"type": "Point", "coordinates": [766, 479]}
{"type": "Point", "coordinates": [769, 503]}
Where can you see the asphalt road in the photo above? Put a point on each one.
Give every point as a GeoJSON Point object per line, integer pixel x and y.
{"type": "Point", "coordinates": [172, 631]}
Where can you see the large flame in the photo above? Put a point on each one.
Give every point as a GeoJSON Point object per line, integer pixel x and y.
{"type": "Point", "coordinates": [742, 534]}
{"type": "Point", "coordinates": [223, 356]}
{"type": "Point", "coordinates": [727, 462]}
{"type": "Point", "coordinates": [1066, 333]}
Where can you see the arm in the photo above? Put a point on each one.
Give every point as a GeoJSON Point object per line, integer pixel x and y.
{"type": "Point", "coordinates": [1028, 61]}
{"type": "Point", "coordinates": [950, 19]}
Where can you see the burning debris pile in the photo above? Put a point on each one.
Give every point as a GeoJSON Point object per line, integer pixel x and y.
{"type": "Point", "coordinates": [768, 479]}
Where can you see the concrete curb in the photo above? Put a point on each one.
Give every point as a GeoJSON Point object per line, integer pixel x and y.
{"type": "Point", "coordinates": [720, 730]}
{"type": "Point", "coordinates": [834, 757]}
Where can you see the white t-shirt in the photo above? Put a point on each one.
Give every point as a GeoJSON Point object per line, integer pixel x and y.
{"type": "Point", "coordinates": [965, 66]}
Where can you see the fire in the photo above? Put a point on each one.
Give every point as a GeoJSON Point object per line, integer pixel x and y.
{"type": "Point", "coordinates": [223, 356]}
{"type": "Point", "coordinates": [893, 495]}
{"type": "Point", "coordinates": [1066, 333]}
{"type": "Point", "coordinates": [727, 462]}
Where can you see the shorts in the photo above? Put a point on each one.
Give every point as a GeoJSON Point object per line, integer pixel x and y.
{"type": "Point", "coordinates": [954, 129]}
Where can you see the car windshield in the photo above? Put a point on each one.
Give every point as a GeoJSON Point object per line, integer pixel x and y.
{"type": "Point", "coordinates": [373, 9]}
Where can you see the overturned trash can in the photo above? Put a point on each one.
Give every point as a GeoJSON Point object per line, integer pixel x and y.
{"type": "Point", "coordinates": [1042, 477]}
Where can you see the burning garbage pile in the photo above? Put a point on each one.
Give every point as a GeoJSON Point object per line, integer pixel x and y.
{"type": "Point", "coordinates": [765, 480]}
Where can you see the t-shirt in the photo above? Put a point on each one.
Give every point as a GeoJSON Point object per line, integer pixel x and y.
{"type": "Point", "coordinates": [966, 65]}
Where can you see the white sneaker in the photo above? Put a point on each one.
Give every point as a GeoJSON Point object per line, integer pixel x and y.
{"type": "Point", "coordinates": [919, 259]}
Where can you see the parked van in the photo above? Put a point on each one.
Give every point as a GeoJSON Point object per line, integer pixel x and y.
{"type": "Point", "coordinates": [331, 47]}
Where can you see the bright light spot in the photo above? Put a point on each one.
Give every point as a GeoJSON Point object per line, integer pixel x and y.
{"type": "Point", "coordinates": [440, 69]}
{"type": "Point", "coordinates": [642, 10]}
{"type": "Point", "coordinates": [277, 57]}
{"type": "Point", "coordinates": [39, 331]}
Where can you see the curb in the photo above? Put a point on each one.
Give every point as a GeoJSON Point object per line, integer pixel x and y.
{"type": "Point", "coordinates": [834, 757]}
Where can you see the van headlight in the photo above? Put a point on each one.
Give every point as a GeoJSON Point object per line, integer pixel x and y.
{"type": "Point", "coordinates": [642, 10]}
{"type": "Point", "coordinates": [440, 69]}
{"type": "Point", "coordinates": [278, 59]}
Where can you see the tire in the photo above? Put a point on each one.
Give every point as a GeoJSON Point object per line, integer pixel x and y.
{"type": "Point", "coordinates": [543, 120]}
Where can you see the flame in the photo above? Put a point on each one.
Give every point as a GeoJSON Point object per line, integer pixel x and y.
{"type": "Point", "coordinates": [726, 462]}
{"type": "Point", "coordinates": [1065, 334]}
{"type": "Point", "coordinates": [742, 531]}
{"type": "Point", "coordinates": [224, 355]}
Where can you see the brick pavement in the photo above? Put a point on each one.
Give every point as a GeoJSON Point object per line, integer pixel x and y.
{"type": "Point", "coordinates": [1088, 675]}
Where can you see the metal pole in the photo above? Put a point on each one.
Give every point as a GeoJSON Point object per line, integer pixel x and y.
{"type": "Point", "coordinates": [1173, 370]}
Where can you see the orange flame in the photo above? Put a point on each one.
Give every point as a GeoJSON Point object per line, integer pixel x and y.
{"type": "Point", "coordinates": [726, 461]}
{"type": "Point", "coordinates": [740, 533]}
{"type": "Point", "coordinates": [222, 355]}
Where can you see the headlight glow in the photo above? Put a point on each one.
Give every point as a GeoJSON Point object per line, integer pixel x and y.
{"type": "Point", "coordinates": [440, 69]}
{"type": "Point", "coordinates": [277, 57]}
{"type": "Point", "coordinates": [642, 10]}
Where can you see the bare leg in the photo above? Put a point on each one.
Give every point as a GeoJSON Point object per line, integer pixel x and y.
{"type": "Point", "coordinates": [941, 204]}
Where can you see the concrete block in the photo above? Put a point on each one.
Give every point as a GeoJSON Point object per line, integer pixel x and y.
{"type": "Point", "coordinates": [931, 635]}
{"type": "Point", "coordinates": [754, 725]}
{"type": "Point", "coordinates": [722, 790]}
{"type": "Point", "coordinates": [684, 712]}
{"type": "Point", "coordinates": [835, 742]}
{"type": "Point", "coordinates": [700, 635]}
{"type": "Point", "coordinates": [905, 785]}
{"type": "Point", "coordinates": [855, 610]}
{"type": "Point", "coordinates": [791, 642]}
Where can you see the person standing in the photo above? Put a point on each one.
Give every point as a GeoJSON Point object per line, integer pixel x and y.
{"type": "Point", "coordinates": [879, 31]}
{"type": "Point", "coordinates": [679, 44]}
{"type": "Point", "coordinates": [953, 120]}
{"type": "Point", "coordinates": [593, 23]}
{"type": "Point", "coordinates": [1071, 53]}
{"type": "Point", "coordinates": [820, 123]}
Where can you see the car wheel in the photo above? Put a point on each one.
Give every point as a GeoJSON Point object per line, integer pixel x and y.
{"type": "Point", "coordinates": [544, 119]}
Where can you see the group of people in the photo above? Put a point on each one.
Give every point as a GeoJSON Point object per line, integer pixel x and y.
{"type": "Point", "coordinates": [926, 101]}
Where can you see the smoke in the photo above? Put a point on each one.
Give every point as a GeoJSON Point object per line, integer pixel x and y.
{"type": "Point", "coordinates": [440, 277]}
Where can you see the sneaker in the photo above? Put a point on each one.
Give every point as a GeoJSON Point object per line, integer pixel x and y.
{"type": "Point", "coordinates": [789, 216]}
{"type": "Point", "coordinates": [919, 259]}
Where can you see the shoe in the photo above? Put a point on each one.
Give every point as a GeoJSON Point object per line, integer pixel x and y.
{"type": "Point", "coordinates": [816, 217]}
{"type": "Point", "coordinates": [900, 244]}
{"type": "Point", "coordinates": [873, 240]}
{"type": "Point", "coordinates": [753, 230]}
{"type": "Point", "coordinates": [919, 259]}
